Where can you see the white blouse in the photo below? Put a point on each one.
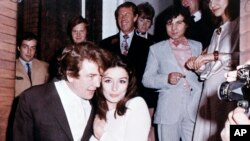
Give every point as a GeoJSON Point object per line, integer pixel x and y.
{"type": "Point", "coordinates": [134, 125]}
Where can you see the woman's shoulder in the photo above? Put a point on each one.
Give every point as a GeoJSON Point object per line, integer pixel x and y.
{"type": "Point", "coordinates": [136, 102]}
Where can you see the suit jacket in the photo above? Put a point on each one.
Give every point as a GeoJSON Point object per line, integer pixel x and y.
{"type": "Point", "coordinates": [40, 117]}
{"type": "Point", "coordinates": [39, 75]}
{"type": "Point", "coordinates": [136, 57]}
{"type": "Point", "coordinates": [161, 62]}
{"type": "Point", "coordinates": [200, 31]}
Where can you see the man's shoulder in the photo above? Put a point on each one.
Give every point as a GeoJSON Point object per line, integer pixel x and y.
{"type": "Point", "coordinates": [110, 42]}
{"type": "Point", "coordinates": [39, 91]}
{"type": "Point", "coordinates": [109, 38]}
{"type": "Point", "coordinates": [40, 62]}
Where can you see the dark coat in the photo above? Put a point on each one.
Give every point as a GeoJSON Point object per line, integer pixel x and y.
{"type": "Point", "coordinates": [40, 117]}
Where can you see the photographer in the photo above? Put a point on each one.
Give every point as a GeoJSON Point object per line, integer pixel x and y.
{"type": "Point", "coordinates": [238, 115]}
{"type": "Point", "coordinates": [235, 117]}
{"type": "Point", "coordinates": [232, 75]}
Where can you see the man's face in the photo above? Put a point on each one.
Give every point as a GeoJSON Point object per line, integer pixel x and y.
{"type": "Point", "coordinates": [126, 19]}
{"type": "Point", "coordinates": [143, 24]}
{"type": "Point", "coordinates": [176, 27]}
{"type": "Point", "coordinates": [79, 33]}
{"type": "Point", "coordinates": [192, 4]}
{"type": "Point", "coordinates": [27, 49]}
{"type": "Point", "coordinates": [89, 79]}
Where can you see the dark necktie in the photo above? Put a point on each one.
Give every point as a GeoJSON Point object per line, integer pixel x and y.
{"type": "Point", "coordinates": [29, 71]}
{"type": "Point", "coordinates": [125, 45]}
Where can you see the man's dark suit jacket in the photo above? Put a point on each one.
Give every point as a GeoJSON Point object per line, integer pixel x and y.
{"type": "Point", "coordinates": [200, 31]}
{"type": "Point", "coordinates": [40, 117]}
{"type": "Point", "coordinates": [136, 57]}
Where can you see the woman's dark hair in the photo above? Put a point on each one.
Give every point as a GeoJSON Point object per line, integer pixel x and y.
{"type": "Point", "coordinates": [232, 11]}
{"type": "Point", "coordinates": [101, 104]}
{"type": "Point", "coordinates": [73, 55]}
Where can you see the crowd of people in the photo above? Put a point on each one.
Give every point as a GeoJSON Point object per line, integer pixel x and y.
{"type": "Point", "coordinates": [129, 86]}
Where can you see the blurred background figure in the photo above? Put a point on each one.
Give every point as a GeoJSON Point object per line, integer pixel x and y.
{"type": "Point", "coordinates": [237, 116]}
{"type": "Point", "coordinates": [29, 70]}
{"type": "Point", "coordinates": [201, 26]}
{"type": "Point", "coordinates": [221, 57]}
{"type": "Point", "coordinates": [78, 29]}
{"type": "Point", "coordinates": [145, 20]}
{"type": "Point", "coordinates": [77, 32]}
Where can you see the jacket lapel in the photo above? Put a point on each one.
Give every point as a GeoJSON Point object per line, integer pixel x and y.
{"type": "Point", "coordinates": [21, 69]}
{"type": "Point", "coordinates": [55, 107]}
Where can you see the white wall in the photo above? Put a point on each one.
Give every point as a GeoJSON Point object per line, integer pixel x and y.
{"type": "Point", "coordinates": [108, 17]}
{"type": "Point", "coordinates": [83, 8]}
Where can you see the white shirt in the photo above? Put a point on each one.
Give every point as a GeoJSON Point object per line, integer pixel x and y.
{"type": "Point", "coordinates": [77, 109]}
{"type": "Point", "coordinates": [197, 16]}
{"type": "Point", "coordinates": [24, 64]}
{"type": "Point", "coordinates": [134, 125]}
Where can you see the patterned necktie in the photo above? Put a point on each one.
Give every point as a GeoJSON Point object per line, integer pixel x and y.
{"type": "Point", "coordinates": [125, 45]}
{"type": "Point", "coordinates": [29, 71]}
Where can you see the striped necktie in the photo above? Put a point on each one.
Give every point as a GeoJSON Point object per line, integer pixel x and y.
{"type": "Point", "coordinates": [125, 45]}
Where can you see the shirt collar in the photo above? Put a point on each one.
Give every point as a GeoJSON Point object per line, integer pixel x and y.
{"type": "Point", "coordinates": [145, 35]}
{"type": "Point", "coordinates": [197, 15]}
{"type": "Point", "coordinates": [131, 34]}
{"type": "Point", "coordinates": [24, 62]}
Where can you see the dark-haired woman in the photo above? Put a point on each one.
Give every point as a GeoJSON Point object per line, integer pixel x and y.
{"type": "Point", "coordinates": [121, 115]}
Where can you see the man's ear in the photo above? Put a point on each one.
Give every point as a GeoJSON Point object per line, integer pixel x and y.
{"type": "Point", "coordinates": [18, 48]}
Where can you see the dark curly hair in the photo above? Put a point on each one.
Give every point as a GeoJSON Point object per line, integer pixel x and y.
{"type": "Point", "coordinates": [73, 55]}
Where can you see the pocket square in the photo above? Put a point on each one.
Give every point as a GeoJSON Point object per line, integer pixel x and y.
{"type": "Point", "coordinates": [19, 78]}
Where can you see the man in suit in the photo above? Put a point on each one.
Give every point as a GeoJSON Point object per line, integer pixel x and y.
{"type": "Point", "coordinates": [61, 110]}
{"type": "Point", "coordinates": [29, 70]}
{"type": "Point", "coordinates": [179, 88]}
{"type": "Point", "coordinates": [200, 26]}
{"type": "Point", "coordinates": [134, 49]}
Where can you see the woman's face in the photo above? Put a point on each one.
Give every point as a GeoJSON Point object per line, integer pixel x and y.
{"type": "Point", "coordinates": [176, 27]}
{"type": "Point", "coordinates": [114, 83]}
{"type": "Point", "coordinates": [218, 7]}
